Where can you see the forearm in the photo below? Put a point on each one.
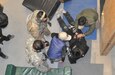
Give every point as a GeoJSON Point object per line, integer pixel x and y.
{"type": "Point", "coordinates": [90, 30]}
{"type": "Point", "coordinates": [76, 25]}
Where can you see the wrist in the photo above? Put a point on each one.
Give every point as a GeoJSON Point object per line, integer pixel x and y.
{"type": "Point", "coordinates": [83, 34]}
{"type": "Point", "coordinates": [76, 33]}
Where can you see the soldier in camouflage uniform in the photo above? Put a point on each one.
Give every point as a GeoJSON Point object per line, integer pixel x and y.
{"type": "Point", "coordinates": [37, 24]}
{"type": "Point", "coordinates": [87, 18]}
{"type": "Point", "coordinates": [36, 54]}
{"type": "Point", "coordinates": [37, 27]}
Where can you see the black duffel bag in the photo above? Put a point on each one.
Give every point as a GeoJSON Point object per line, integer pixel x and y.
{"type": "Point", "coordinates": [78, 48]}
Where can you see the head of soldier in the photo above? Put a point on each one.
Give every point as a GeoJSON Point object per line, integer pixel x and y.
{"type": "Point", "coordinates": [41, 15]}
{"type": "Point", "coordinates": [38, 45]}
{"type": "Point", "coordinates": [82, 21]}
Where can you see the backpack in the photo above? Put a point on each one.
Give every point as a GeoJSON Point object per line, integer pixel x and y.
{"type": "Point", "coordinates": [55, 48]}
{"type": "Point", "coordinates": [78, 48]}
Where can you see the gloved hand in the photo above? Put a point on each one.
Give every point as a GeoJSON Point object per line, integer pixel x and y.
{"type": "Point", "coordinates": [46, 43]}
{"type": "Point", "coordinates": [50, 24]}
{"type": "Point", "coordinates": [10, 36]}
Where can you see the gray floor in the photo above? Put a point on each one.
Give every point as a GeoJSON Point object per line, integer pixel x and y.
{"type": "Point", "coordinates": [83, 66]}
{"type": "Point", "coordinates": [113, 60]}
{"type": "Point", "coordinates": [86, 69]}
{"type": "Point", "coordinates": [15, 48]}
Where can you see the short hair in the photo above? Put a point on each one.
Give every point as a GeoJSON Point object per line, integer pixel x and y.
{"type": "Point", "coordinates": [3, 20]}
{"type": "Point", "coordinates": [38, 45]}
{"type": "Point", "coordinates": [82, 20]}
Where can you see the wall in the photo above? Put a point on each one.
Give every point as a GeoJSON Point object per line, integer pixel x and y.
{"type": "Point", "coordinates": [108, 29]}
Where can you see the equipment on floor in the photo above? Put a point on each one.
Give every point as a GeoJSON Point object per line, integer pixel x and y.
{"type": "Point", "coordinates": [17, 70]}
{"type": "Point", "coordinates": [49, 6]}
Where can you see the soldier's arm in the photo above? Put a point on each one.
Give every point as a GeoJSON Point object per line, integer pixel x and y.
{"type": "Point", "coordinates": [90, 30]}
{"type": "Point", "coordinates": [76, 24]}
{"type": "Point", "coordinates": [28, 25]}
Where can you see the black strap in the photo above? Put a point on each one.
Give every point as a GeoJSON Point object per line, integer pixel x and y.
{"type": "Point", "coordinates": [49, 23]}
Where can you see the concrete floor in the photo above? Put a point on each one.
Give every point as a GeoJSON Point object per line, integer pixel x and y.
{"type": "Point", "coordinates": [15, 48]}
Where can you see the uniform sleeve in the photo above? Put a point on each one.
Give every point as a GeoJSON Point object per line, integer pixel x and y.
{"type": "Point", "coordinates": [27, 43]}
{"type": "Point", "coordinates": [90, 30]}
{"type": "Point", "coordinates": [44, 67]}
{"type": "Point", "coordinates": [28, 50]}
{"type": "Point", "coordinates": [47, 31]}
{"type": "Point", "coordinates": [76, 24]}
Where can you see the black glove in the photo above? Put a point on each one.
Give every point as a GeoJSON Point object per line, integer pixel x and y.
{"type": "Point", "coordinates": [47, 43]}
{"type": "Point", "coordinates": [50, 24]}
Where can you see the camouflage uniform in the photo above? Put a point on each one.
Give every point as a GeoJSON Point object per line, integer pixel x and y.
{"type": "Point", "coordinates": [36, 59]}
{"type": "Point", "coordinates": [91, 16]}
{"type": "Point", "coordinates": [37, 28]}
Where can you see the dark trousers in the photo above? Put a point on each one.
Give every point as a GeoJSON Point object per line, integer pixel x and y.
{"type": "Point", "coordinates": [2, 54]}
{"type": "Point", "coordinates": [3, 38]}
{"type": "Point", "coordinates": [63, 24]}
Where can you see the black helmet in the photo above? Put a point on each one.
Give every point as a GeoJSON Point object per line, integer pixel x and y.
{"type": "Point", "coordinates": [3, 20]}
{"type": "Point", "coordinates": [82, 20]}
{"type": "Point", "coordinates": [38, 45]}
{"type": "Point", "coordinates": [41, 14]}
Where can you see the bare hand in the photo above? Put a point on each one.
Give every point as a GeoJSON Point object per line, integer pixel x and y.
{"type": "Point", "coordinates": [80, 35]}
